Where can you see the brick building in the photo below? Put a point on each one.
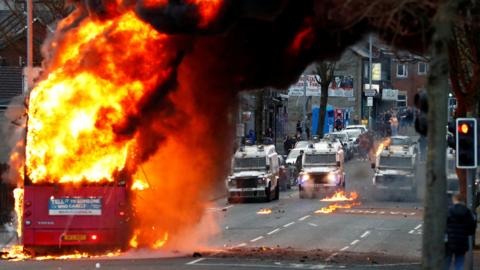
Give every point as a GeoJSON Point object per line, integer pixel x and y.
{"type": "Point", "coordinates": [409, 74]}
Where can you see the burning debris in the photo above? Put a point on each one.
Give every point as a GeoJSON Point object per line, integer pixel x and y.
{"type": "Point", "coordinates": [339, 197]}
{"type": "Point", "coordinates": [264, 211]}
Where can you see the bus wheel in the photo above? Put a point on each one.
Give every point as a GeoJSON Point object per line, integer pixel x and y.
{"type": "Point", "coordinates": [29, 251]}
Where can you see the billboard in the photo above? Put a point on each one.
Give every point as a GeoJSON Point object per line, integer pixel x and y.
{"type": "Point", "coordinates": [341, 86]}
{"type": "Point", "coordinates": [311, 83]}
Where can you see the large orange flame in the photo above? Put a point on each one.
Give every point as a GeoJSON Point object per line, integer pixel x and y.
{"type": "Point", "coordinates": [382, 145]}
{"type": "Point", "coordinates": [100, 74]}
{"type": "Point", "coordinates": [74, 112]}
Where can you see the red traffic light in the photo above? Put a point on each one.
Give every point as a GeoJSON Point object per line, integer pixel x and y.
{"type": "Point", "coordinates": [463, 128]}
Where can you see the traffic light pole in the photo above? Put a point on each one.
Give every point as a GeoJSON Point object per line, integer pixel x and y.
{"type": "Point", "coordinates": [470, 205]}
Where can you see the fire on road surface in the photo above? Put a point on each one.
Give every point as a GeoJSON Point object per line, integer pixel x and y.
{"type": "Point", "coordinates": [340, 196]}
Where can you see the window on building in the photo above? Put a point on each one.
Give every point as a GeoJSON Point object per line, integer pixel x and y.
{"type": "Point", "coordinates": [401, 100]}
{"type": "Point", "coordinates": [402, 70]}
{"type": "Point", "coordinates": [422, 68]}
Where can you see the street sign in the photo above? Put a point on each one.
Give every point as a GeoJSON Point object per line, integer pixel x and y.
{"type": "Point", "coordinates": [370, 92]}
{"type": "Point", "coordinates": [390, 94]}
{"type": "Point", "coordinates": [369, 101]}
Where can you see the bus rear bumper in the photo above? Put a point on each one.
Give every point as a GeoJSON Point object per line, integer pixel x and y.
{"type": "Point", "coordinates": [62, 238]}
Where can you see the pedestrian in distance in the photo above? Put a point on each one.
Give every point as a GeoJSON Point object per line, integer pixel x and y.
{"type": "Point", "coordinates": [394, 125]}
{"type": "Point", "coordinates": [338, 124]}
{"type": "Point", "coordinates": [251, 137]}
{"type": "Point", "coordinates": [269, 133]}
{"type": "Point", "coordinates": [287, 145]}
{"type": "Point", "coordinates": [298, 163]}
{"type": "Point", "coordinates": [461, 223]}
{"type": "Point", "coordinates": [299, 127]}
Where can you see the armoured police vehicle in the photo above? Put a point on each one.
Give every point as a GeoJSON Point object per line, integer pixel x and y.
{"type": "Point", "coordinates": [255, 173]}
{"type": "Point", "coordinates": [322, 169]}
{"type": "Point", "coordinates": [396, 170]}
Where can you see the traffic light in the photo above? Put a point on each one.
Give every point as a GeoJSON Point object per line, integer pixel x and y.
{"type": "Point", "coordinates": [466, 144]}
{"type": "Point", "coordinates": [421, 121]}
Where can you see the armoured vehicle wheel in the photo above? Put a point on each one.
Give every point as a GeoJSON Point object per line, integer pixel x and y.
{"type": "Point", "coordinates": [277, 192]}
{"type": "Point", "coordinates": [268, 194]}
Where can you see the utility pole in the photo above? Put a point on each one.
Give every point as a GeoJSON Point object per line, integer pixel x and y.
{"type": "Point", "coordinates": [435, 213]}
{"type": "Point", "coordinates": [370, 80]}
{"type": "Point", "coordinates": [304, 122]}
{"type": "Point", "coordinates": [29, 45]}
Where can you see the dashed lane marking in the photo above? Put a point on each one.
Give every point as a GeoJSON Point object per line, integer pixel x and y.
{"type": "Point", "coordinates": [274, 231]}
{"type": "Point", "coordinates": [242, 245]}
{"type": "Point", "coordinates": [416, 230]}
{"type": "Point", "coordinates": [365, 234]}
{"type": "Point", "coordinates": [312, 224]}
{"type": "Point", "coordinates": [195, 261]}
{"type": "Point", "coordinates": [344, 248]}
{"type": "Point", "coordinates": [303, 218]}
{"type": "Point", "coordinates": [329, 258]}
{"type": "Point", "coordinates": [256, 239]}
{"type": "Point", "coordinates": [289, 224]}
{"type": "Point", "coordinates": [354, 242]}
{"type": "Point", "coordinates": [369, 212]}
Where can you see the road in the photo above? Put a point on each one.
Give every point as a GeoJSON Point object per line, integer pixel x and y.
{"type": "Point", "coordinates": [373, 235]}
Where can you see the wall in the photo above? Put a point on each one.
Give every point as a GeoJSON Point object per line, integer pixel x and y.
{"type": "Point", "coordinates": [412, 83]}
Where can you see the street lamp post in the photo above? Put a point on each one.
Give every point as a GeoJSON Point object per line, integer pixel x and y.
{"type": "Point", "coordinates": [29, 44]}
{"type": "Point", "coordinates": [304, 122]}
{"type": "Point", "coordinates": [370, 79]}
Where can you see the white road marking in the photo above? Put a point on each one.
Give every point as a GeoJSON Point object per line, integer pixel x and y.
{"type": "Point", "coordinates": [411, 232]}
{"type": "Point", "coordinates": [354, 242]}
{"type": "Point", "coordinates": [242, 245]}
{"type": "Point", "coordinates": [312, 224]}
{"type": "Point", "coordinates": [195, 261]}
{"type": "Point", "coordinates": [331, 256]}
{"type": "Point", "coordinates": [365, 234]}
{"type": "Point", "coordinates": [418, 227]}
{"type": "Point", "coordinates": [275, 265]}
{"type": "Point", "coordinates": [219, 208]}
{"type": "Point", "coordinates": [344, 248]}
{"type": "Point", "coordinates": [274, 231]}
{"type": "Point", "coordinates": [289, 224]}
{"type": "Point", "coordinates": [380, 212]}
{"type": "Point", "coordinates": [256, 239]}
{"type": "Point", "coordinates": [303, 218]}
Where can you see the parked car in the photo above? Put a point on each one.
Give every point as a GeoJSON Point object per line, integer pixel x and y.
{"type": "Point", "coordinates": [363, 128]}
{"type": "Point", "coordinates": [342, 136]}
{"type": "Point", "coordinates": [353, 137]}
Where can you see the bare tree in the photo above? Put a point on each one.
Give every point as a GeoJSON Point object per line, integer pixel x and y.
{"type": "Point", "coordinates": [464, 63]}
{"type": "Point", "coordinates": [325, 70]}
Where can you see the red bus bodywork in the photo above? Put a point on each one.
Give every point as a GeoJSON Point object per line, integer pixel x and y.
{"type": "Point", "coordinates": [42, 229]}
